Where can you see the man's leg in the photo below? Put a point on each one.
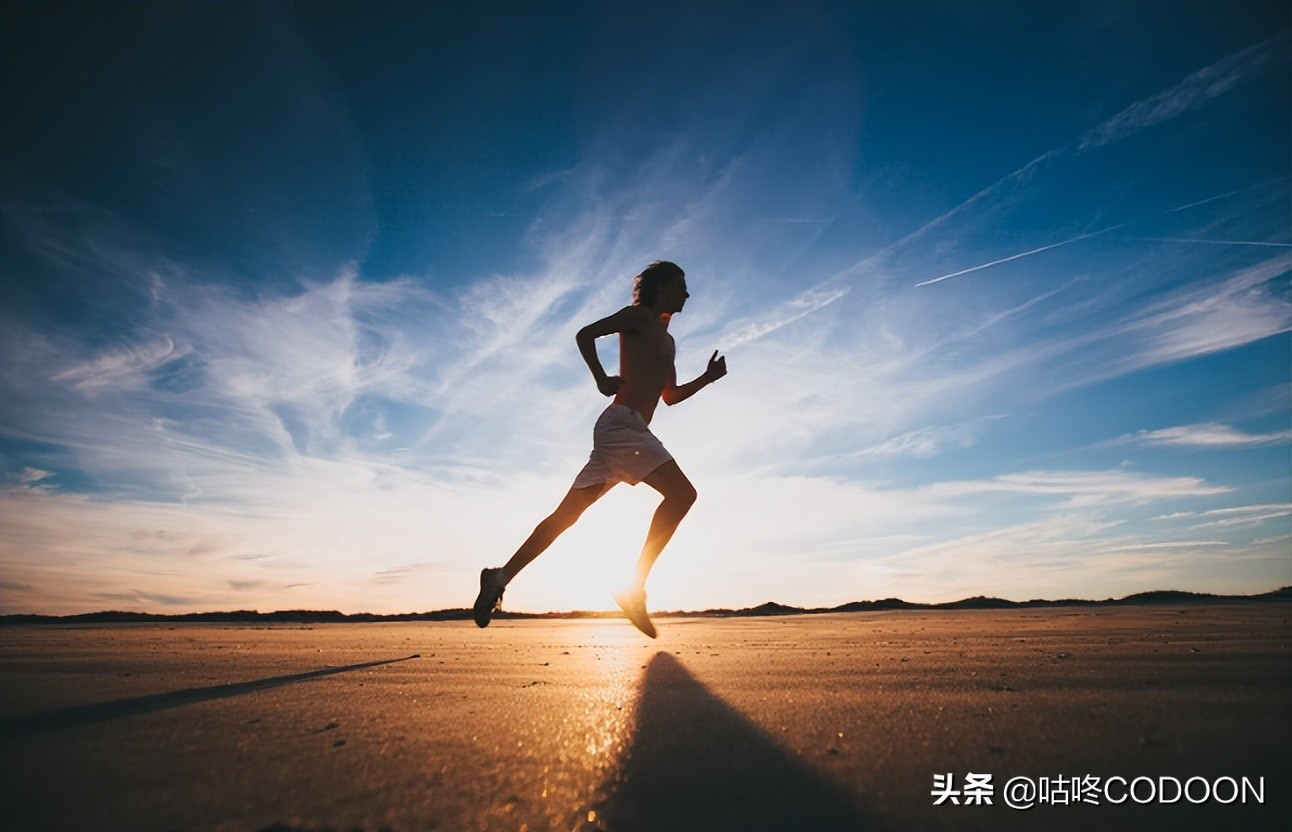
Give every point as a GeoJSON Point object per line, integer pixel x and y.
{"type": "Point", "coordinates": [494, 581]}
{"type": "Point", "coordinates": [571, 508]}
{"type": "Point", "coordinates": [679, 495]}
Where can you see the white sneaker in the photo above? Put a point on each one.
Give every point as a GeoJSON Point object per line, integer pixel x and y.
{"type": "Point", "coordinates": [492, 584]}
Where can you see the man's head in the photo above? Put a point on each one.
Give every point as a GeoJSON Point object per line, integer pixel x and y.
{"type": "Point", "coordinates": [660, 275]}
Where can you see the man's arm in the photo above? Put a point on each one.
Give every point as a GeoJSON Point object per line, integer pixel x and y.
{"type": "Point", "coordinates": [625, 320]}
{"type": "Point", "coordinates": [674, 393]}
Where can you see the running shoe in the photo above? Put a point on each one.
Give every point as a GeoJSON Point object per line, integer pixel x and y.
{"type": "Point", "coordinates": [634, 606]}
{"type": "Point", "coordinates": [492, 584]}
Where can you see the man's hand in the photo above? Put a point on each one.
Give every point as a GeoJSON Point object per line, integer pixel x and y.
{"type": "Point", "coordinates": [609, 385]}
{"type": "Point", "coordinates": [674, 393]}
{"type": "Point", "coordinates": [717, 367]}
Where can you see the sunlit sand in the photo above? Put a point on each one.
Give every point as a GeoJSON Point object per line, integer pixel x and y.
{"type": "Point", "coordinates": [803, 722]}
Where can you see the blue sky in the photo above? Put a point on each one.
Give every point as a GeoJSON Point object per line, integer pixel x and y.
{"type": "Point", "coordinates": [288, 297]}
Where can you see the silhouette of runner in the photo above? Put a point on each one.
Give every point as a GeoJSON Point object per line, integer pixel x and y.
{"type": "Point", "coordinates": [623, 448]}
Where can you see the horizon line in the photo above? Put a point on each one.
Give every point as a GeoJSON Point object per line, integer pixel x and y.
{"type": "Point", "coordinates": [765, 608]}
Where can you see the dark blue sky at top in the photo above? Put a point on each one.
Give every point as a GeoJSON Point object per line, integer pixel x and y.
{"type": "Point", "coordinates": [210, 126]}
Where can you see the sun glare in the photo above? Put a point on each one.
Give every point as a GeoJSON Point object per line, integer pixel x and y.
{"type": "Point", "coordinates": [593, 560]}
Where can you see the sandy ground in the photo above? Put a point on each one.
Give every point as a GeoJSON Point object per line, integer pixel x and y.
{"type": "Point", "coordinates": [836, 722]}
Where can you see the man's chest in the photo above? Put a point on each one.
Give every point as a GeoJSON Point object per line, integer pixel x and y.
{"type": "Point", "coordinates": [654, 348]}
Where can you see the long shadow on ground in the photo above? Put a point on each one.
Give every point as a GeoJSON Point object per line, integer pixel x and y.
{"type": "Point", "coordinates": [103, 711]}
{"type": "Point", "coordinates": [695, 763]}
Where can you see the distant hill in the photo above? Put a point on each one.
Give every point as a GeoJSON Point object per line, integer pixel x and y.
{"type": "Point", "coordinates": [770, 608]}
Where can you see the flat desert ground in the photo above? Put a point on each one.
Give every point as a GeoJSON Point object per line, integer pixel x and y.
{"type": "Point", "coordinates": [812, 722]}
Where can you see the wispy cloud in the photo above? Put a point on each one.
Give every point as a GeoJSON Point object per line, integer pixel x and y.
{"type": "Point", "coordinates": [1208, 435]}
{"type": "Point", "coordinates": [1193, 92]}
{"type": "Point", "coordinates": [140, 599]}
{"type": "Point", "coordinates": [783, 315]}
{"type": "Point", "coordinates": [1228, 310]}
{"type": "Point", "coordinates": [925, 443]}
{"type": "Point", "coordinates": [121, 369]}
{"type": "Point", "coordinates": [1246, 516]}
{"type": "Point", "coordinates": [1083, 488]}
{"type": "Point", "coordinates": [407, 573]}
{"type": "Point", "coordinates": [1237, 309]}
{"type": "Point", "coordinates": [1231, 516]}
{"type": "Point", "coordinates": [31, 477]}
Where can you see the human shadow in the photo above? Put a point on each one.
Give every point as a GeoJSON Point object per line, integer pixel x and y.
{"type": "Point", "coordinates": [79, 715]}
{"type": "Point", "coordinates": [696, 763]}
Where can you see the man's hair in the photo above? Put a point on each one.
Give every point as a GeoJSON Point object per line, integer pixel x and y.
{"type": "Point", "coordinates": [646, 284]}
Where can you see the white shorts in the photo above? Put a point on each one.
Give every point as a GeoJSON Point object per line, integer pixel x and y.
{"type": "Point", "coordinates": [623, 450]}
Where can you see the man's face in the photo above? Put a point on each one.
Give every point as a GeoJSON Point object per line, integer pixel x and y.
{"type": "Point", "coordinates": [673, 295]}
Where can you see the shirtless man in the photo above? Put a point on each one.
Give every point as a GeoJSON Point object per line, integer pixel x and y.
{"type": "Point", "coordinates": [623, 448]}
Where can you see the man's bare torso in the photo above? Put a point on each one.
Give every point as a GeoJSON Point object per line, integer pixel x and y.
{"type": "Point", "coordinates": [645, 365]}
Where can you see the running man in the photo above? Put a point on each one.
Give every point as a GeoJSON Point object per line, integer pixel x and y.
{"type": "Point", "coordinates": [623, 448]}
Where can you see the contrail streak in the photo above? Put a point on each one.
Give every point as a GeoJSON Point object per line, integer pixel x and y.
{"type": "Point", "coordinates": [1090, 234]}
{"type": "Point", "coordinates": [1015, 257]}
{"type": "Point", "coordinates": [1212, 242]}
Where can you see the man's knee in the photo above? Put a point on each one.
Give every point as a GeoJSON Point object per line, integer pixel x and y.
{"type": "Point", "coordinates": [684, 495]}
